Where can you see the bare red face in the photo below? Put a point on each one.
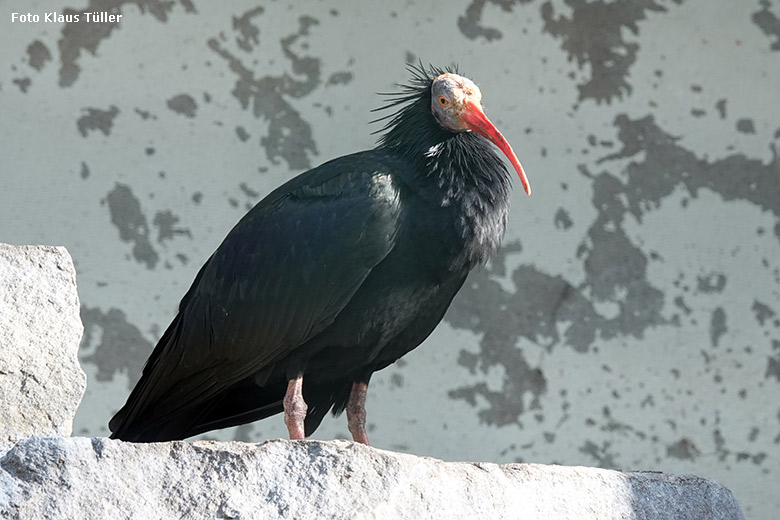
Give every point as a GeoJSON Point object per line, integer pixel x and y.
{"type": "Point", "coordinates": [456, 102]}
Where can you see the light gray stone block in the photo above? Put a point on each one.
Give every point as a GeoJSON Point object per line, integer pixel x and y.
{"type": "Point", "coordinates": [53, 478]}
{"type": "Point", "coordinates": [41, 381]}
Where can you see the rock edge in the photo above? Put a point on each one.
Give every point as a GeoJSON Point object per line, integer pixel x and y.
{"type": "Point", "coordinates": [101, 478]}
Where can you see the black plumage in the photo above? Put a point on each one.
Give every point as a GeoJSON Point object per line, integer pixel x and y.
{"type": "Point", "coordinates": [334, 275]}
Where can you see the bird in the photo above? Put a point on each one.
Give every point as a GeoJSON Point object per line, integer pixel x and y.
{"type": "Point", "coordinates": [334, 275]}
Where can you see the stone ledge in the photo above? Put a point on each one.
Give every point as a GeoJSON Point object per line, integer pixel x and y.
{"type": "Point", "coordinates": [51, 478]}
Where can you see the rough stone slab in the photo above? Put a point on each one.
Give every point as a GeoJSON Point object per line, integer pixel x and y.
{"type": "Point", "coordinates": [41, 381]}
{"type": "Point", "coordinates": [52, 478]}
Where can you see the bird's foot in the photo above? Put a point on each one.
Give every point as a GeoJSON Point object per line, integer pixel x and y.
{"type": "Point", "coordinates": [295, 409]}
{"type": "Point", "coordinates": [356, 413]}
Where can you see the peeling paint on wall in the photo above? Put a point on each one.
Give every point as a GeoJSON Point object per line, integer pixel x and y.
{"type": "Point", "coordinates": [126, 215]}
{"type": "Point", "coordinates": [115, 344]}
{"type": "Point", "coordinates": [97, 119]}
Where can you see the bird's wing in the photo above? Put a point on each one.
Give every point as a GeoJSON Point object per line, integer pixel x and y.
{"type": "Point", "coordinates": [279, 278]}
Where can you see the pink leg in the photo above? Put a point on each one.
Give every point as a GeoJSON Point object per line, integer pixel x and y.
{"type": "Point", "coordinates": [356, 412]}
{"type": "Point", "coordinates": [295, 409]}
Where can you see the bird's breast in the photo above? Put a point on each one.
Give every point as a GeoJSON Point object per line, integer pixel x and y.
{"type": "Point", "coordinates": [482, 228]}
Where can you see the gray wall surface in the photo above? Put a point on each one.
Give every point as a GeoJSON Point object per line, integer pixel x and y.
{"type": "Point", "coordinates": [632, 317]}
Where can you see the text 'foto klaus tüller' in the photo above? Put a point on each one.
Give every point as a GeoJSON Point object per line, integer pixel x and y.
{"type": "Point", "coordinates": [54, 16]}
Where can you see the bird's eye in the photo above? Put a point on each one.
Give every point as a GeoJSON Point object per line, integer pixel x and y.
{"type": "Point", "coordinates": [443, 101]}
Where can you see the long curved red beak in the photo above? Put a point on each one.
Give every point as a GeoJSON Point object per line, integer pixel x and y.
{"type": "Point", "coordinates": [476, 121]}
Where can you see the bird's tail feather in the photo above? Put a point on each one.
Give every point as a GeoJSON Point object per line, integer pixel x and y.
{"type": "Point", "coordinates": [156, 410]}
{"type": "Point", "coordinates": [242, 403]}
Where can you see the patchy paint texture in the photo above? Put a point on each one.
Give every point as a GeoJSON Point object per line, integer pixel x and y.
{"type": "Point", "coordinates": [593, 34]}
{"type": "Point", "coordinates": [632, 318]}
{"type": "Point", "coordinates": [96, 119]}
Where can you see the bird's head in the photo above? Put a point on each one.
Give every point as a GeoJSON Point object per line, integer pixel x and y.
{"type": "Point", "coordinates": [452, 97]}
{"type": "Point", "coordinates": [456, 103]}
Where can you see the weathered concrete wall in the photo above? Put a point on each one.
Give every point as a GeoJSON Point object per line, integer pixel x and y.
{"type": "Point", "coordinates": [632, 319]}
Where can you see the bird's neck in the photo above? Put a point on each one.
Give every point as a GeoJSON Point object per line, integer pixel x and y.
{"type": "Point", "coordinates": [470, 177]}
{"type": "Point", "coordinates": [460, 173]}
